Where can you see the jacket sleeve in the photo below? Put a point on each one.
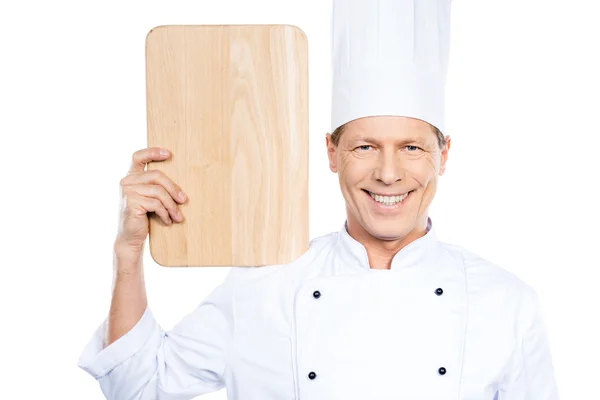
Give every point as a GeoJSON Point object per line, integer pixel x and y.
{"type": "Point", "coordinates": [149, 363]}
{"type": "Point", "coordinates": [533, 375]}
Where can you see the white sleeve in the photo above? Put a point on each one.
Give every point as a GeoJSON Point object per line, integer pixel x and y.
{"type": "Point", "coordinates": [149, 363]}
{"type": "Point", "coordinates": [533, 375]}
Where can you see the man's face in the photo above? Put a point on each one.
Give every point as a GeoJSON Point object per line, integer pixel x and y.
{"type": "Point", "coordinates": [389, 156]}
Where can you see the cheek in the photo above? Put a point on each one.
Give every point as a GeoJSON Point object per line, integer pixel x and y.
{"type": "Point", "coordinates": [423, 172]}
{"type": "Point", "coordinates": [353, 171]}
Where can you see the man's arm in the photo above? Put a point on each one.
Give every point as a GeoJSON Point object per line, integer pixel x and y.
{"type": "Point", "coordinates": [532, 377]}
{"type": "Point", "coordinates": [129, 300]}
{"type": "Point", "coordinates": [147, 363]}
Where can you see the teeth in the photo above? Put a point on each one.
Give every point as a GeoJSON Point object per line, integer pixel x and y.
{"type": "Point", "coordinates": [388, 200]}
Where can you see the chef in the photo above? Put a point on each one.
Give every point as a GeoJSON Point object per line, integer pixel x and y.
{"type": "Point", "coordinates": [380, 309]}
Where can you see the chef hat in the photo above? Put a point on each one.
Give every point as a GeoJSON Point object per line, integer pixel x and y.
{"type": "Point", "coordinates": [390, 57]}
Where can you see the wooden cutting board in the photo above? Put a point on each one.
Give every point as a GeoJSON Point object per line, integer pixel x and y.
{"type": "Point", "coordinates": [231, 103]}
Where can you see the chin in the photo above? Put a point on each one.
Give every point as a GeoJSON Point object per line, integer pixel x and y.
{"type": "Point", "coordinates": [388, 229]}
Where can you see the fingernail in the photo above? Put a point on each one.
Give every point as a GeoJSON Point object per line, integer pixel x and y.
{"type": "Point", "coordinates": [181, 195]}
{"type": "Point", "coordinates": [164, 152]}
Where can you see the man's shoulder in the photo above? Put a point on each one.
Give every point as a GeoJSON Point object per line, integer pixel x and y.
{"type": "Point", "coordinates": [485, 274]}
{"type": "Point", "coordinates": [317, 246]}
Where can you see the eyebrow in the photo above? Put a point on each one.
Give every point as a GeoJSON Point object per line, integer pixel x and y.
{"type": "Point", "coordinates": [399, 142]}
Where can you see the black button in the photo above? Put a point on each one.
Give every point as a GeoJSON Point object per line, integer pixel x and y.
{"type": "Point", "coordinates": [316, 294]}
{"type": "Point", "coordinates": [312, 375]}
{"type": "Point", "coordinates": [442, 370]}
{"type": "Point", "coordinates": [439, 291]}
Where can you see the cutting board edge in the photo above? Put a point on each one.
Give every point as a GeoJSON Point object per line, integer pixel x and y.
{"type": "Point", "coordinates": [292, 26]}
{"type": "Point", "coordinates": [302, 250]}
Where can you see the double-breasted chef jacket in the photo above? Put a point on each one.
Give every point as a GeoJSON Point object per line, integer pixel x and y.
{"type": "Point", "coordinates": [442, 323]}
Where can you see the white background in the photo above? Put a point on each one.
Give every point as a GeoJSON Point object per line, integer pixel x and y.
{"type": "Point", "coordinates": [521, 188]}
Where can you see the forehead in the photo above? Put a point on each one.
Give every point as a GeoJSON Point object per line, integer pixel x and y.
{"type": "Point", "coordinates": [389, 128]}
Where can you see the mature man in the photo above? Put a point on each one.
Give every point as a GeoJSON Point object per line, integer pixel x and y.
{"type": "Point", "coordinates": [380, 309]}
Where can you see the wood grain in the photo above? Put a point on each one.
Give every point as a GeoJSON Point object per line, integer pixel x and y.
{"type": "Point", "coordinates": [231, 103]}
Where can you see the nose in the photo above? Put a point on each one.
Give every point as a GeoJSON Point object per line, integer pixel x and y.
{"type": "Point", "coordinates": [389, 168]}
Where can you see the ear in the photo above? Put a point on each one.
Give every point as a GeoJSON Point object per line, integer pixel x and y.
{"type": "Point", "coordinates": [444, 155]}
{"type": "Point", "coordinates": [331, 150]}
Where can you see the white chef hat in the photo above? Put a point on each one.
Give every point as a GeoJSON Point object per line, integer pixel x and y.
{"type": "Point", "coordinates": [390, 57]}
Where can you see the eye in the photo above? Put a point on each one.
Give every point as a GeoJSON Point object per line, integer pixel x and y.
{"type": "Point", "coordinates": [415, 147]}
{"type": "Point", "coordinates": [362, 147]}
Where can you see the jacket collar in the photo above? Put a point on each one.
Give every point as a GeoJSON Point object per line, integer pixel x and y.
{"type": "Point", "coordinates": [354, 253]}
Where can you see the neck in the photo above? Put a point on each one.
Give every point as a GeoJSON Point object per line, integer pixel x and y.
{"type": "Point", "coordinates": [379, 251]}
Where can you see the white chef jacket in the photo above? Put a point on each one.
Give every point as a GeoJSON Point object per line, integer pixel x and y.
{"type": "Point", "coordinates": [442, 323]}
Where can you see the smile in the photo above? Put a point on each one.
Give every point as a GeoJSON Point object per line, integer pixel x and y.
{"type": "Point", "coordinates": [388, 201]}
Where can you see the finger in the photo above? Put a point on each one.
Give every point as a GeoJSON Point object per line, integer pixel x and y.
{"type": "Point", "coordinates": [156, 177]}
{"type": "Point", "coordinates": [159, 192]}
{"type": "Point", "coordinates": [141, 157]}
{"type": "Point", "coordinates": [151, 204]}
